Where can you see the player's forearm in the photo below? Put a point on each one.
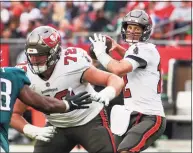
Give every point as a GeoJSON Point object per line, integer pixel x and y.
{"type": "Point", "coordinates": [115, 82]}
{"type": "Point", "coordinates": [41, 103]}
{"type": "Point", "coordinates": [119, 68]}
{"type": "Point", "coordinates": [120, 50]}
{"type": "Point", "coordinates": [18, 122]}
{"type": "Point", "coordinates": [114, 67]}
{"type": "Point", "coordinates": [113, 89]}
{"type": "Point", "coordinates": [48, 104]}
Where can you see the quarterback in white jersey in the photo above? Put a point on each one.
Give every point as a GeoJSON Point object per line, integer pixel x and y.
{"type": "Point", "coordinates": [52, 71]}
{"type": "Point", "coordinates": [143, 87]}
{"type": "Point", "coordinates": [142, 117]}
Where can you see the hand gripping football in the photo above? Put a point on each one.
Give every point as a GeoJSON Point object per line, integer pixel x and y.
{"type": "Point", "coordinates": [108, 44]}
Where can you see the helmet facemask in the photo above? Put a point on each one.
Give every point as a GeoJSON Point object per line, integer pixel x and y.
{"type": "Point", "coordinates": [45, 60]}
{"type": "Point", "coordinates": [130, 36]}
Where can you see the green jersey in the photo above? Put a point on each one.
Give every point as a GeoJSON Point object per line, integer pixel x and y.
{"type": "Point", "coordinates": [12, 81]}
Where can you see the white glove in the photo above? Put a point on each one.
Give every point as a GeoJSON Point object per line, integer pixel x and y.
{"type": "Point", "coordinates": [98, 97]}
{"type": "Point", "coordinates": [99, 44]}
{"type": "Point", "coordinates": [104, 96]}
{"type": "Point", "coordinates": [38, 133]}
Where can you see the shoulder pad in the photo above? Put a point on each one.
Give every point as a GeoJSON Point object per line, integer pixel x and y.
{"type": "Point", "coordinates": [21, 75]}
{"type": "Point", "coordinates": [22, 66]}
{"type": "Point", "coordinates": [142, 45]}
{"type": "Point", "coordinates": [75, 59]}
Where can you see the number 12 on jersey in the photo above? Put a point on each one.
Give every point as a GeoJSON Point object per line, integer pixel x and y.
{"type": "Point", "coordinates": [159, 82]}
{"type": "Point", "coordinates": [126, 91]}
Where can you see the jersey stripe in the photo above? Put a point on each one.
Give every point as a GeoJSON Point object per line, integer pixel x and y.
{"type": "Point", "coordinates": [148, 134]}
{"type": "Point", "coordinates": [142, 62]}
{"type": "Point", "coordinates": [105, 124]}
{"type": "Point", "coordinates": [138, 118]}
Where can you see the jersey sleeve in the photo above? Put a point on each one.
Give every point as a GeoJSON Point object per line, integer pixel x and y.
{"type": "Point", "coordinates": [81, 61]}
{"type": "Point", "coordinates": [85, 62]}
{"type": "Point", "coordinates": [84, 59]}
{"type": "Point", "coordinates": [21, 77]}
{"type": "Point", "coordinates": [140, 54]}
{"type": "Point", "coordinates": [78, 61]}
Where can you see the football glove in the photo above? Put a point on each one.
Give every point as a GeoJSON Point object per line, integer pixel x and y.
{"type": "Point", "coordinates": [98, 97]}
{"type": "Point", "coordinates": [99, 43]}
{"type": "Point", "coordinates": [39, 133]}
{"type": "Point", "coordinates": [104, 96]}
{"type": "Point", "coordinates": [79, 101]}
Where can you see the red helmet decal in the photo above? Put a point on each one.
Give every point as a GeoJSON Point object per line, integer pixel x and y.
{"type": "Point", "coordinates": [150, 20]}
{"type": "Point", "coordinates": [52, 40]}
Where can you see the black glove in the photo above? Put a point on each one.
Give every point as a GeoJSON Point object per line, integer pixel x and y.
{"type": "Point", "coordinates": [78, 101]}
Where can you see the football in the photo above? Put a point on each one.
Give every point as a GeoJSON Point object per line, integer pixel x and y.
{"type": "Point", "coordinates": [108, 44]}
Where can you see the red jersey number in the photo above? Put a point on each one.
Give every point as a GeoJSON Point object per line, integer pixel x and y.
{"type": "Point", "coordinates": [159, 82]}
{"type": "Point", "coordinates": [68, 57]}
{"type": "Point", "coordinates": [60, 95]}
{"type": "Point", "coordinates": [126, 91]}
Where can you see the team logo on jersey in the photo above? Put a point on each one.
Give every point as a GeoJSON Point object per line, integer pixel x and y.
{"type": "Point", "coordinates": [47, 84]}
{"type": "Point", "coordinates": [135, 51]}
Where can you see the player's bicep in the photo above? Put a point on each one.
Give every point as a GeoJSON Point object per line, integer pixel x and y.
{"type": "Point", "coordinates": [140, 54]}
{"type": "Point", "coordinates": [33, 99]}
{"type": "Point", "coordinates": [26, 95]}
{"type": "Point", "coordinates": [96, 76]}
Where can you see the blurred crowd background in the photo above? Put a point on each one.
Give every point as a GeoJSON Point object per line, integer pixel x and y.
{"type": "Point", "coordinates": [172, 20]}
{"type": "Point", "coordinates": [172, 33]}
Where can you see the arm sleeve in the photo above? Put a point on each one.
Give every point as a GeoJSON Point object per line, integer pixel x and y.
{"type": "Point", "coordinates": [85, 62]}
{"type": "Point", "coordinates": [86, 59]}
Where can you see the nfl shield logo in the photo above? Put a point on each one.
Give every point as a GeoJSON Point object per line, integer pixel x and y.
{"type": "Point", "coordinates": [47, 84]}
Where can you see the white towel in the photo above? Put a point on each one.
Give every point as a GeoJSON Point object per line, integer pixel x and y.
{"type": "Point", "coordinates": [120, 118]}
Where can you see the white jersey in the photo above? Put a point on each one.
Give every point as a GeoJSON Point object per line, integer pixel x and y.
{"type": "Point", "coordinates": [143, 85]}
{"type": "Point", "coordinates": [67, 73]}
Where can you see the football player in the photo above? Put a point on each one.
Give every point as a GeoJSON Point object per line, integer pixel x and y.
{"type": "Point", "coordinates": [52, 70]}
{"type": "Point", "coordinates": [15, 84]}
{"type": "Point", "coordinates": [142, 117]}
{"type": "Point", "coordinates": [119, 99]}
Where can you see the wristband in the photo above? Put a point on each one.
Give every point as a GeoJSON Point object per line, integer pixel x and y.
{"type": "Point", "coordinates": [67, 105]}
{"type": "Point", "coordinates": [104, 59]}
{"type": "Point", "coordinates": [109, 92]}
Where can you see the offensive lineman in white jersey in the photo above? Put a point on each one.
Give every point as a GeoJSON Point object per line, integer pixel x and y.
{"type": "Point", "coordinates": [52, 70]}
{"type": "Point", "coordinates": [142, 118]}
